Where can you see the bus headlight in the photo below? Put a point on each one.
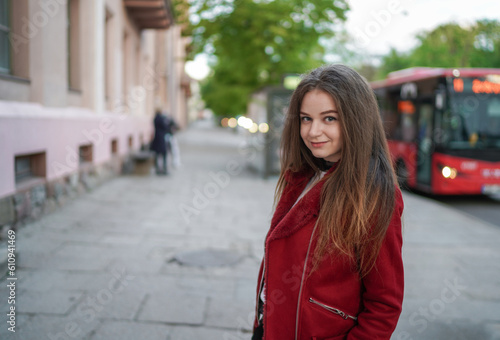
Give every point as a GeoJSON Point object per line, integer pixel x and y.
{"type": "Point", "coordinates": [448, 172]}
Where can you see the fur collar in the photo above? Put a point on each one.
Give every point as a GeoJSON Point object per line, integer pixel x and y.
{"type": "Point", "coordinates": [287, 218]}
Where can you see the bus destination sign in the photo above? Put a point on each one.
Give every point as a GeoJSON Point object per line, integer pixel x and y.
{"type": "Point", "coordinates": [489, 85]}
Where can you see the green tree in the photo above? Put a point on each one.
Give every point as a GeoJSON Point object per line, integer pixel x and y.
{"type": "Point", "coordinates": [486, 44]}
{"type": "Point", "coordinates": [392, 62]}
{"type": "Point", "coordinates": [450, 45]}
{"type": "Point", "coordinates": [255, 43]}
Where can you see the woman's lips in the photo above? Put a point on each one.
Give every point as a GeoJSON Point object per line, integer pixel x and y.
{"type": "Point", "coordinates": [318, 144]}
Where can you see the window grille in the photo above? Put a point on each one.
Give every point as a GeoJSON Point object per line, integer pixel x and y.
{"type": "Point", "coordinates": [4, 36]}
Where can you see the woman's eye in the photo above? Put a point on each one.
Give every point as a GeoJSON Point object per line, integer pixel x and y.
{"type": "Point", "coordinates": [330, 119]}
{"type": "Point", "coordinates": [305, 119]}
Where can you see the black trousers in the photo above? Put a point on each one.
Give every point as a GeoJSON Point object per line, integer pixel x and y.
{"type": "Point", "coordinates": [163, 168]}
{"type": "Point", "coordinates": [258, 333]}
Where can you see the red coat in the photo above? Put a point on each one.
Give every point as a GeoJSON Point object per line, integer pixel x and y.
{"type": "Point", "coordinates": [332, 303]}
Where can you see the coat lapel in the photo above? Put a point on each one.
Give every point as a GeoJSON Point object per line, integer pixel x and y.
{"type": "Point", "coordinates": [288, 218]}
{"type": "Point", "coordinates": [296, 184]}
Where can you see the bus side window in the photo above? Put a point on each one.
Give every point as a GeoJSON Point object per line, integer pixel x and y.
{"type": "Point", "coordinates": [407, 111]}
{"type": "Point", "coordinates": [391, 124]}
{"type": "Point", "coordinates": [390, 117]}
{"type": "Point", "coordinates": [493, 117]}
{"type": "Point", "coordinates": [409, 128]}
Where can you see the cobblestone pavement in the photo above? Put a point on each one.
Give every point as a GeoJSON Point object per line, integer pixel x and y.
{"type": "Point", "coordinates": [120, 261]}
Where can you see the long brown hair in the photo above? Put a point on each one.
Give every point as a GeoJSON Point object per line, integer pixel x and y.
{"type": "Point", "coordinates": [357, 199]}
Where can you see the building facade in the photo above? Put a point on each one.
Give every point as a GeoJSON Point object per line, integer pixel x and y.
{"type": "Point", "coordinates": [80, 81]}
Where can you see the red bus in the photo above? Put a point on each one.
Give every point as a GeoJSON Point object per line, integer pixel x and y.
{"type": "Point", "coordinates": [443, 127]}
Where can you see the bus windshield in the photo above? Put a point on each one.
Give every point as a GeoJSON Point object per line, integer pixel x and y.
{"type": "Point", "coordinates": [472, 121]}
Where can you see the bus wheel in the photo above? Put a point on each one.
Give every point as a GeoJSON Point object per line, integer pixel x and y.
{"type": "Point", "coordinates": [402, 174]}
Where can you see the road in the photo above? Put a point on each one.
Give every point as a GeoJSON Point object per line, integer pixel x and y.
{"type": "Point", "coordinates": [482, 207]}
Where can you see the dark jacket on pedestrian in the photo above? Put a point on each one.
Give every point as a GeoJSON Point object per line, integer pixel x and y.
{"type": "Point", "coordinates": [162, 127]}
{"type": "Point", "coordinates": [331, 302]}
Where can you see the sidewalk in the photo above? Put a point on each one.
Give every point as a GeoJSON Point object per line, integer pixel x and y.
{"type": "Point", "coordinates": [117, 262]}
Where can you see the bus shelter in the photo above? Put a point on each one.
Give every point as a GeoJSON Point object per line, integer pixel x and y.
{"type": "Point", "coordinates": [267, 108]}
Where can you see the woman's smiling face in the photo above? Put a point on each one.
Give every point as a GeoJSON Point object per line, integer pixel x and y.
{"type": "Point", "coordinates": [319, 125]}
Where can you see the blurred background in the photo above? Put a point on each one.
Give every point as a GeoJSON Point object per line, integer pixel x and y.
{"type": "Point", "coordinates": [84, 78]}
{"type": "Point", "coordinates": [81, 81]}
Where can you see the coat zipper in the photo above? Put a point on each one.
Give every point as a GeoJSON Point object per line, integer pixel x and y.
{"type": "Point", "coordinates": [333, 310]}
{"type": "Point", "coordinates": [260, 290]}
{"type": "Point", "coordinates": [302, 283]}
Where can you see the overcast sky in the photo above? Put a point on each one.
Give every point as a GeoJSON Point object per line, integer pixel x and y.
{"type": "Point", "coordinates": [379, 24]}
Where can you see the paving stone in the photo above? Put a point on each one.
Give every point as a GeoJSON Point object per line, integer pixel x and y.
{"type": "Point", "coordinates": [78, 262]}
{"type": "Point", "coordinates": [246, 289]}
{"type": "Point", "coordinates": [59, 220]}
{"type": "Point", "coordinates": [231, 314]}
{"type": "Point", "coordinates": [88, 250]}
{"type": "Point", "coordinates": [46, 327]}
{"type": "Point", "coordinates": [493, 330]}
{"type": "Point", "coordinates": [208, 258]}
{"type": "Point", "coordinates": [32, 259]}
{"type": "Point", "coordinates": [174, 309]}
{"type": "Point", "coordinates": [172, 268]}
{"type": "Point", "coordinates": [191, 333]}
{"type": "Point", "coordinates": [133, 331]}
{"type": "Point", "coordinates": [164, 251]}
{"type": "Point", "coordinates": [112, 303]}
{"type": "Point", "coordinates": [119, 239]}
{"type": "Point", "coordinates": [247, 268]}
{"type": "Point", "coordinates": [37, 244]}
{"type": "Point", "coordinates": [46, 280]}
{"type": "Point", "coordinates": [152, 284]}
{"type": "Point", "coordinates": [19, 322]}
{"type": "Point", "coordinates": [78, 235]}
{"type": "Point", "coordinates": [425, 329]}
{"type": "Point", "coordinates": [139, 265]}
{"type": "Point", "coordinates": [489, 289]}
{"type": "Point", "coordinates": [205, 286]}
{"type": "Point", "coordinates": [49, 302]}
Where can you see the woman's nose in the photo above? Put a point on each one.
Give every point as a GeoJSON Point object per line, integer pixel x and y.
{"type": "Point", "coordinates": [315, 128]}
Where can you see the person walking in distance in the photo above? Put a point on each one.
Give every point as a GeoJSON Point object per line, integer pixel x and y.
{"type": "Point", "coordinates": [332, 266]}
{"type": "Point", "coordinates": [171, 141]}
{"type": "Point", "coordinates": [158, 144]}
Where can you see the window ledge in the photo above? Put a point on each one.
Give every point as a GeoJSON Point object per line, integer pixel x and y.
{"type": "Point", "coordinates": [29, 183]}
{"type": "Point", "coordinates": [14, 78]}
{"type": "Point", "coordinates": [73, 90]}
{"type": "Point", "coordinates": [85, 166]}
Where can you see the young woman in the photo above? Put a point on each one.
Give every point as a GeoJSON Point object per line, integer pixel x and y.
{"type": "Point", "coordinates": [332, 267]}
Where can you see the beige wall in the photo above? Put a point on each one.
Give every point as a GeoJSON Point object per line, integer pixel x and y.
{"type": "Point", "coordinates": [48, 57]}
{"type": "Point", "coordinates": [113, 66]}
{"type": "Point", "coordinates": [115, 73]}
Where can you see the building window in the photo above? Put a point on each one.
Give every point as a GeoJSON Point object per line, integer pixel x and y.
{"type": "Point", "coordinates": [4, 36]}
{"type": "Point", "coordinates": [85, 153]}
{"type": "Point", "coordinates": [14, 44]}
{"type": "Point", "coordinates": [23, 168]}
{"type": "Point", "coordinates": [29, 167]}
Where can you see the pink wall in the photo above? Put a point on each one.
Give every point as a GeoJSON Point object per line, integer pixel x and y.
{"type": "Point", "coordinates": [27, 128]}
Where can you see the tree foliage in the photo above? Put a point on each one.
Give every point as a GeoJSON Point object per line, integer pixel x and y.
{"type": "Point", "coordinates": [450, 45]}
{"type": "Point", "coordinates": [256, 42]}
